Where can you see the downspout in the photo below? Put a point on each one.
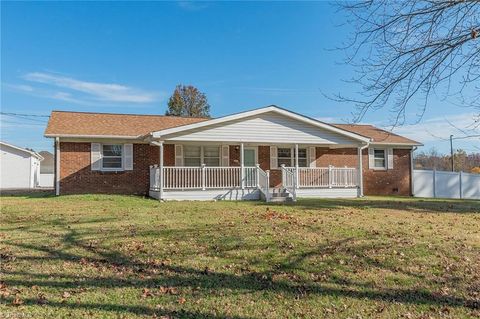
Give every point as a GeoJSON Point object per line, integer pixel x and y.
{"type": "Point", "coordinates": [412, 189]}
{"type": "Point", "coordinates": [360, 169]}
{"type": "Point", "coordinates": [57, 166]}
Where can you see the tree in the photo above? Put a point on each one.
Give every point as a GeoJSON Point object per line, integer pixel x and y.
{"type": "Point", "coordinates": [405, 51]}
{"type": "Point", "coordinates": [188, 101]}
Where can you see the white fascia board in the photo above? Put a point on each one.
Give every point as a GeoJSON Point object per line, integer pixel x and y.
{"type": "Point", "coordinates": [275, 109]}
{"type": "Point", "coordinates": [409, 145]}
{"type": "Point", "coordinates": [33, 153]}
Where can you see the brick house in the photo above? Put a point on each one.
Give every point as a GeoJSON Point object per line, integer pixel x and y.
{"type": "Point", "coordinates": [268, 153]}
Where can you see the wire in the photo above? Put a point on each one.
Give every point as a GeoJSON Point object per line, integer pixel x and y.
{"type": "Point", "coordinates": [22, 114]}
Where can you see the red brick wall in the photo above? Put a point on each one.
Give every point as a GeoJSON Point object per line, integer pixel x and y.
{"type": "Point", "coordinates": [76, 176]}
{"type": "Point", "coordinates": [394, 181]}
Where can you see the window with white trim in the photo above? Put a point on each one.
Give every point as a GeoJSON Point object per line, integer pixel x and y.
{"type": "Point", "coordinates": [112, 156]}
{"type": "Point", "coordinates": [211, 155]}
{"type": "Point", "coordinates": [379, 159]}
{"type": "Point", "coordinates": [285, 156]}
{"type": "Point", "coordinates": [192, 155]}
{"type": "Point", "coordinates": [197, 155]}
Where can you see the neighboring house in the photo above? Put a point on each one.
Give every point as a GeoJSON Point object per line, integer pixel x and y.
{"type": "Point", "coordinates": [269, 153]}
{"type": "Point", "coordinates": [19, 167]}
{"type": "Point", "coordinates": [47, 165]}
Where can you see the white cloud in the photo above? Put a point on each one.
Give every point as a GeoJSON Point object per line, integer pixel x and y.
{"type": "Point", "coordinates": [438, 128]}
{"type": "Point", "coordinates": [108, 92]}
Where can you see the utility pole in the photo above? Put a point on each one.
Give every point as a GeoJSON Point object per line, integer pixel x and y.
{"type": "Point", "coordinates": [451, 151]}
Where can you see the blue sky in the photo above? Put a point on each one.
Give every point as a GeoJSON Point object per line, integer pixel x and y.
{"type": "Point", "coordinates": [127, 57]}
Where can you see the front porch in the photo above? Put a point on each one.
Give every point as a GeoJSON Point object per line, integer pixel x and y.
{"type": "Point", "coordinates": [251, 183]}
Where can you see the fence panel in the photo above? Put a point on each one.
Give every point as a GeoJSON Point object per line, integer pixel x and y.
{"type": "Point", "coordinates": [446, 184]}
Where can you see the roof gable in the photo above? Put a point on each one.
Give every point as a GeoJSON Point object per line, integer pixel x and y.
{"type": "Point", "coordinates": [175, 131]}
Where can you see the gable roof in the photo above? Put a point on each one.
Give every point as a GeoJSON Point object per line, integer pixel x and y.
{"type": "Point", "coordinates": [377, 135]}
{"type": "Point", "coordinates": [30, 152]}
{"type": "Point", "coordinates": [87, 124]}
{"type": "Point", "coordinates": [135, 126]}
{"type": "Point", "coordinates": [271, 108]}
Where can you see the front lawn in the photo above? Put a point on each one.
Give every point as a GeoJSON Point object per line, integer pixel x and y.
{"type": "Point", "coordinates": [99, 256]}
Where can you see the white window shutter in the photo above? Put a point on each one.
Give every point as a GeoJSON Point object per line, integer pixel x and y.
{"type": "Point", "coordinates": [128, 157]}
{"type": "Point", "coordinates": [312, 154]}
{"type": "Point", "coordinates": [273, 157]}
{"type": "Point", "coordinates": [390, 158]}
{"type": "Point", "coordinates": [178, 155]}
{"type": "Point", "coordinates": [371, 162]}
{"type": "Point", "coordinates": [96, 156]}
{"type": "Point", "coordinates": [225, 155]}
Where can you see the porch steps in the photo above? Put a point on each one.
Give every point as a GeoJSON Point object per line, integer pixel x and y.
{"type": "Point", "coordinates": [280, 195]}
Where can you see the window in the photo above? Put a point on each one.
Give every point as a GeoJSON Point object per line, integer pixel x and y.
{"type": "Point", "coordinates": [112, 156]}
{"type": "Point", "coordinates": [379, 158]}
{"type": "Point", "coordinates": [198, 155]}
{"type": "Point", "coordinates": [302, 157]}
{"type": "Point", "coordinates": [285, 157]}
{"type": "Point", "coordinates": [193, 155]}
{"type": "Point", "coordinates": [211, 155]}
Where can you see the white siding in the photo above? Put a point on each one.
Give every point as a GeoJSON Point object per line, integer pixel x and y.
{"type": "Point", "coordinates": [15, 168]}
{"type": "Point", "coordinates": [219, 194]}
{"type": "Point", "coordinates": [263, 128]}
{"type": "Point", "coordinates": [327, 192]}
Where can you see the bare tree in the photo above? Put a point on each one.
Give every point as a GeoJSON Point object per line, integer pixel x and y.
{"type": "Point", "coordinates": [405, 51]}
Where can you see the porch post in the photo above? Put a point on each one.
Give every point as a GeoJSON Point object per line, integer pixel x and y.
{"type": "Point", "coordinates": [296, 167]}
{"type": "Point", "coordinates": [360, 172]}
{"type": "Point", "coordinates": [160, 172]}
{"type": "Point", "coordinates": [242, 166]}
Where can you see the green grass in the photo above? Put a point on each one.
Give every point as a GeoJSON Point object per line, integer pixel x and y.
{"type": "Point", "coordinates": [94, 256]}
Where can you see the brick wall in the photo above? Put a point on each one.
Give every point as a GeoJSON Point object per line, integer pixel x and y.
{"type": "Point", "coordinates": [394, 181]}
{"type": "Point", "coordinates": [76, 176]}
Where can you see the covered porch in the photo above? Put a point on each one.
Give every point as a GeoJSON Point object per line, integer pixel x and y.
{"type": "Point", "coordinates": [249, 171]}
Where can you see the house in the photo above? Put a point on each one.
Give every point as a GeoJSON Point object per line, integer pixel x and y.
{"type": "Point", "coordinates": [269, 153]}
{"type": "Point", "coordinates": [19, 167]}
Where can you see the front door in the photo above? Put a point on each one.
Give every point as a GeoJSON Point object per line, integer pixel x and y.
{"type": "Point", "coordinates": [250, 160]}
{"type": "Point", "coordinates": [249, 157]}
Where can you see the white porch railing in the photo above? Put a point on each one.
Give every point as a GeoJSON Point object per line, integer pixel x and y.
{"type": "Point", "coordinates": [263, 178]}
{"type": "Point", "coordinates": [203, 177]}
{"type": "Point", "coordinates": [289, 181]}
{"type": "Point", "coordinates": [320, 177]}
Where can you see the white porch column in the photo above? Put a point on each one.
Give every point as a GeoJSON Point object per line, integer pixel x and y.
{"type": "Point", "coordinates": [297, 179]}
{"type": "Point", "coordinates": [360, 170]}
{"type": "Point", "coordinates": [242, 166]}
{"type": "Point", "coordinates": [57, 166]}
{"type": "Point", "coordinates": [160, 173]}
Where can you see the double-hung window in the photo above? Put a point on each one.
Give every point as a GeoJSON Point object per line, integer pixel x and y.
{"type": "Point", "coordinates": [286, 156]}
{"type": "Point", "coordinates": [193, 155]}
{"type": "Point", "coordinates": [112, 156]}
{"type": "Point", "coordinates": [197, 155]}
{"type": "Point", "coordinates": [379, 159]}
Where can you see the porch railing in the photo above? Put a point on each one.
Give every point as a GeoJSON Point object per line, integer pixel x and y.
{"type": "Point", "coordinates": [321, 177]}
{"type": "Point", "coordinates": [289, 180]}
{"type": "Point", "coordinates": [203, 177]}
{"type": "Point", "coordinates": [263, 178]}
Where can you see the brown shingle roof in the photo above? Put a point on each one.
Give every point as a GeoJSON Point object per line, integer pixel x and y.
{"type": "Point", "coordinates": [376, 134]}
{"type": "Point", "coordinates": [63, 123]}
{"type": "Point", "coordinates": [107, 124]}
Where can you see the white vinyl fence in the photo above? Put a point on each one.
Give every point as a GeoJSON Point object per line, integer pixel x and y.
{"type": "Point", "coordinates": [46, 180]}
{"type": "Point", "coordinates": [446, 184]}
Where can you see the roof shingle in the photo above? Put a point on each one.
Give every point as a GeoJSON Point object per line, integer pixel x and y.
{"type": "Point", "coordinates": [108, 124]}
{"type": "Point", "coordinates": [376, 134]}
